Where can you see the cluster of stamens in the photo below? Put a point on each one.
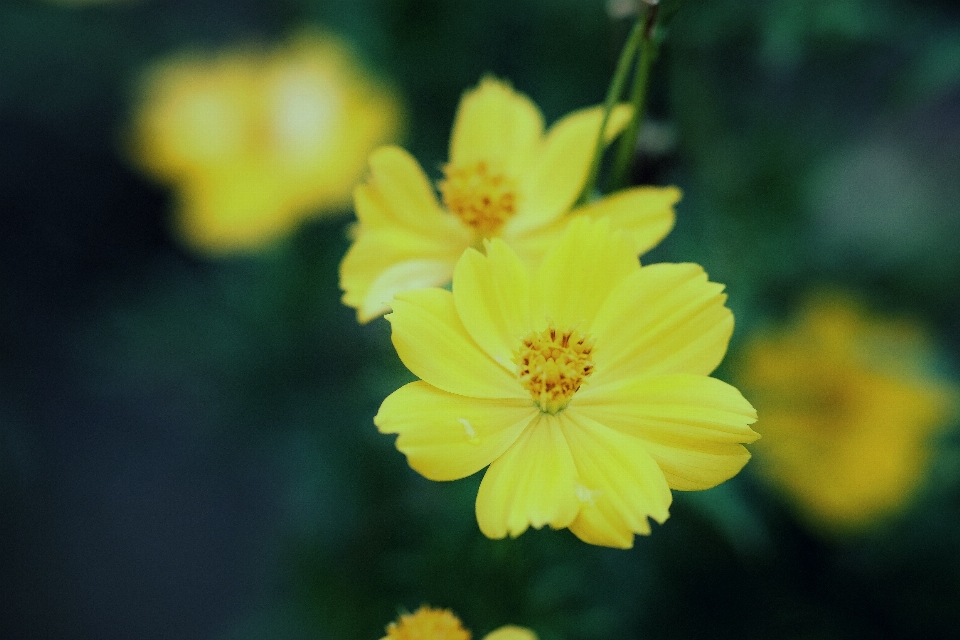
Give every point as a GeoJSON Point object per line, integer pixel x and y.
{"type": "Point", "coordinates": [427, 623]}
{"type": "Point", "coordinates": [553, 364]}
{"type": "Point", "coordinates": [481, 197]}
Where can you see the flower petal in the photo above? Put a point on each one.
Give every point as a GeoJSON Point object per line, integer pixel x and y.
{"type": "Point", "coordinates": [433, 343]}
{"type": "Point", "coordinates": [397, 192]}
{"type": "Point", "coordinates": [693, 426]}
{"type": "Point", "coordinates": [233, 209]}
{"type": "Point", "coordinates": [644, 213]}
{"type": "Point", "coordinates": [446, 436]}
{"type": "Point", "coordinates": [511, 632]}
{"type": "Point", "coordinates": [578, 274]}
{"type": "Point", "coordinates": [403, 239]}
{"type": "Point", "coordinates": [401, 276]}
{"type": "Point", "coordinates": [497, 125]}
{"type": "Point", "coordinates": [554, 181]}
{"type": "Point", "coordinates": [665, 318]}
{"type": "Point", "coordinates": [621, 485]}
{"type": "Point", "coordinates": [532, 483]}
{"type": "Point", "coordinates": [383, 262]}
{"type": "Point", "coordinates": [492, 294]}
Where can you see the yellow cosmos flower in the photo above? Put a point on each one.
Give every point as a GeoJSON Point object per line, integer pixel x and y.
{"type": "Point", "coordinates": [505, 178]}
{"type": "Point", "coordinates": [846, 410]}
{"type": "Point", "coordinates": [255, 142]}
{"type": "Point", "coordinates": [427, 623]}
{"type": "Point", "coordinates": [584, 386]}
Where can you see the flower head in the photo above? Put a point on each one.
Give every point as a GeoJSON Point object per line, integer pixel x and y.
{"type": "Point", "coordinates": [584, 386]}
{"type": "Point", "coordinates": [847, 410]}
{"type": "Point", "coordinates": [255, 142]}
{"type": "Point", "coordinates": [506, 178]}
{"type": "Point", "coordinates": [428, 623]}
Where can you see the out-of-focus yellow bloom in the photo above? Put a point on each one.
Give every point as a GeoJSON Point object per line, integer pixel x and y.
{"type": "Point", "coordinates": [427, 623]}
{"type": "Point", "coordinates": [846, 411]}
{"type": "Point", "coordinates": [584, 386]}
{"type": "Point", "coordinates": [506, 178]}
{"type": "Point", "coordinates": [255, 142]}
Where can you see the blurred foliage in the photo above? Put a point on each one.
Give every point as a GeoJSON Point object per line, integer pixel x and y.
{"type": "Point", "coordinates": [186, 445]}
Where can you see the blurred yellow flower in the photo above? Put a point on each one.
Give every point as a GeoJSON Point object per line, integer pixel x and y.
{"type": "Point", "coordinates": [846, 411]}
{"type": "Point", "coordinates": [427, 623]}
{"type": "Point", "coordinates": [255, 142]}
{"type": "Point", "coordinates": [505, 178]}
{"type": "Point", "coordinates": [584, 386]}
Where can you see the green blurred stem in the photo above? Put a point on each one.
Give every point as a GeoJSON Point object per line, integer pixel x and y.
{"type": "Point", "coordinates": [638, 98]}
{"type": "Point", "coordinates": [613, 94]}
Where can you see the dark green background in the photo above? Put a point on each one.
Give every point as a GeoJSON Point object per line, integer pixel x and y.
{"type": "Point", "coordinates": [186, 445]}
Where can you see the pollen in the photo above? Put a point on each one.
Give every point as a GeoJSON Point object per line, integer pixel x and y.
{"type": "Point", "coordinates": [553, 364]}
{"type": "Point", "coordinates": [481, 197]}
{"type": "Point", "coordinates": [427, 623]}
{"type": "Point", "coordinates": [469, 430]}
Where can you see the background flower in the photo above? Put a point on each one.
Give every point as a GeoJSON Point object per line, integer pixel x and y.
{"type": "Point", "coordinates": [256, 141]}
{"type": "Point", "coordinates": [849, 410]}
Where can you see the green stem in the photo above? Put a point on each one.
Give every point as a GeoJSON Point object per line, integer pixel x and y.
{"type": "Point", "coordinates": [638, 98]}
{"type": "Point", "coordinates": [613, 95]}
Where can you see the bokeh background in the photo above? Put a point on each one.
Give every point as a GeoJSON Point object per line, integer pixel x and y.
{"type": "Point", "coordinates": [186, 441]}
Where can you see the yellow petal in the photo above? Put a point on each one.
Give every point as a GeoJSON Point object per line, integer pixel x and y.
{"type": "Point", "coordinates": [233, 209]}
{"type": "Point", "coordinates": [492, 294]}
{"type": "Point", "coordinates": [446, 436]}
{"type": "Point", "coordinates": [403, 240]}
{"type": "Point", "coordinates": [433, 343]}
{"type": "Point", "coordinates": [645, 214]}
{"type": "Point", "coordinates": [551, 185]}
{"type": "Point", "coordinates": [693, 426]}
{"type": "Point", "coordinates": [384, 262]}
{"type": "Point", "coordinates": [532, 483]}
{"type": "Point", "coordinates": [578, 274]}
{"type": "Point", "coordinates": [400, 193]}
{"type": "Point", "coordinates": [496, 125]}
{"type": "Point", "coordinates": [511, 632]}
{"type": "Point", "coordinates": [665, 318]}
{"type": "Point", "coordinates": [401, 276]}
{"type": "Point", "coordinates": [621, 486]}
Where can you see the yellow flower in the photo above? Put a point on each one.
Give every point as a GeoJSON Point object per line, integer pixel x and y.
{"type": "Point", "coordinates": [427, 623]}
{"type": "Point", "coordinates": [583, 385]}
{"type": "Point", "coordinates": [846, 411]}
{"type": "Point", "coordinates": [506, 178]}
{"type": "Point", "coordinates": [255, 142]}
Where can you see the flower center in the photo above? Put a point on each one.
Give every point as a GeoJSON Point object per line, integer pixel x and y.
{"type": "Point", "coordinates": [482, 198]}
{"type": "Point", "coordinates": [427, 623]}
{"type": "Point", "coordinates": [552, 364]}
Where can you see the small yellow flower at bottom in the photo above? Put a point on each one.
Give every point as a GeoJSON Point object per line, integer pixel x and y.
{"type": "Point", "coordinates": [427, 623]}
{"type": "Point", "coordinates": [256, 141]}
{"type": "Point", "coordinates": [848, 408]}
{"type": "Point", "coordinates": [584, 386]}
